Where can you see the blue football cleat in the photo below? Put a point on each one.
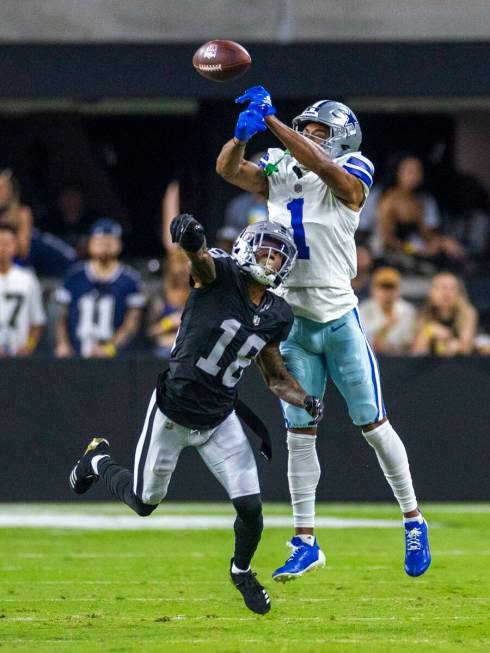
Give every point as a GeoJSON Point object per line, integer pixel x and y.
{"type": "Point", "coordinates": [303, 558]}
{"type": "Point", "coordinates": [417, 552]}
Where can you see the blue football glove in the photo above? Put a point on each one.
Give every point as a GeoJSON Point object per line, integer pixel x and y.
{"type": "Point", "coordinates": [248, 124]}
{"type": "Point", "coordinates": [259, 99]}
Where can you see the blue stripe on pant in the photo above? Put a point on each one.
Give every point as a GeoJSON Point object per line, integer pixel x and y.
{"type": "Point", "coordinates": [338, 349]}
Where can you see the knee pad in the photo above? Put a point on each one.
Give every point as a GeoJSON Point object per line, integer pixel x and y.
{"type": "Point", "coordinates": [364, 413]}
{"type": "Point", "coordinates": [249, 509]}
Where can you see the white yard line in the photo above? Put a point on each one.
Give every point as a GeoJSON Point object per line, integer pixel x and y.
{"type": "Point", "coordinates": [66, 520]}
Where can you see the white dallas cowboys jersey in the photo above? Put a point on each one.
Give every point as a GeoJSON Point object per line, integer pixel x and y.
{"type": "Point", "coordinates": [21, 308]}
{"type": "Point", "coordinates": [319, 286]}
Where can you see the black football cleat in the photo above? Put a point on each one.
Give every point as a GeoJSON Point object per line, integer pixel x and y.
{"type": "Point", "coordinates": [82, 475]}
{"type": "Point", "coordinates": [254, 595]}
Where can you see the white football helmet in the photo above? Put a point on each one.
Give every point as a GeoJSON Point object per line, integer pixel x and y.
{"type": "Point", "coordinates": [266, 235]}
{"type": "Point", "coordinates": [345, 131]}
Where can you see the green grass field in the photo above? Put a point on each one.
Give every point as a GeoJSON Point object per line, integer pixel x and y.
{"type": "Point", "coordinates": [64, 589]}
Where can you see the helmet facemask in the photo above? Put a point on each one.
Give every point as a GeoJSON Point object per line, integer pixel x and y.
{"type": "Point", "coordinates": [345, 132]}
{"type": "Point", "coordinates": [264, 240]}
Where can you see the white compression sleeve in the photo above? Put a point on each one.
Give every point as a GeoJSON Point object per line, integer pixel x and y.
{"type": "Point", "coordinates": [303, 477]}
{"type": "Point", "coordinates": [393, 460]}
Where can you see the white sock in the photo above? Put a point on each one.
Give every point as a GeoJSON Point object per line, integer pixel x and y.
{"type": "Point", "coordinates": [236, 570]}
{"type": "Point", "coordinates": [393, 459]}
{"type": "Point", "coordinates": [95, 461]}
{"type": "Point", "coordinates": [303, 477]}
{"type": "Point", "coordinates": [306, 538]}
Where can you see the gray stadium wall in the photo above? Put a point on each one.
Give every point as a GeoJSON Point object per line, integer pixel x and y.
{"type": "Point", "coordinates": [50, 408]}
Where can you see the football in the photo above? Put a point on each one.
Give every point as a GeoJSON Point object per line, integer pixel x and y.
{"type": "Point", "coordinates": [221, 61]}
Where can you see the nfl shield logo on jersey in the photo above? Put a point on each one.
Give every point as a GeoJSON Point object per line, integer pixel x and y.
{"type": "Point", "coordinates": [256, 320]}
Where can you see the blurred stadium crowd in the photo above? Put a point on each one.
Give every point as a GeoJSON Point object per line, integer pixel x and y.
{"type": "Point", "coordinates": [422, 282]}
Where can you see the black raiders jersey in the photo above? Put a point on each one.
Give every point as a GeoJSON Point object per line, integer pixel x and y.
{"type": "Point", "coordinates": [220, 333]}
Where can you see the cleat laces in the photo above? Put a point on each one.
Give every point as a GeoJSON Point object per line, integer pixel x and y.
{"type": "Point", "coordinates": [249, 581]}
{"type": "Point", "coordinates": [294, 551]}
{"type": "Point", "coordinates": [413, 539]}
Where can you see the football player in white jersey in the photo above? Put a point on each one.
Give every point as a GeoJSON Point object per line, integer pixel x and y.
{"type": "Point", "coordinates": [22, 314]}
{"type": "Point", "coordinates": [317, 187]}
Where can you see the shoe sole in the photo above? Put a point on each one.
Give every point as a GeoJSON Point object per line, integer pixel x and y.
{"type": "Point", "coordinates": [318, 564]}
{"type": "Point", "coordinates": [419, 572]}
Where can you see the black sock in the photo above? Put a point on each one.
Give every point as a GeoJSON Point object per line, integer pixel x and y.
{"type": "Point", "coordinates": [119, 482]}
{"type": "Point", "coordinates": [248, 529]}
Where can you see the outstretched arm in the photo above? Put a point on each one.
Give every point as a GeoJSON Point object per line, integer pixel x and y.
{"type": "Point", "coordinates": [283, 384]}
{"type": "Point", "coordinates": [343, 185]}
{"type": "Point", "coordinates": [189, 234]}
{"type": "Point", "coordinates": [234, 168]}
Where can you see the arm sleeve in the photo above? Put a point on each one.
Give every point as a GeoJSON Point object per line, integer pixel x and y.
{"type": "Point", "coordinates": [361, 167]}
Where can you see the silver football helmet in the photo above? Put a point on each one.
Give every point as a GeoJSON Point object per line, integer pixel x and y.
{"type": "Point", "coordinates": [269, 236]}
{"type": "Point", "coordinates": [345, 131]}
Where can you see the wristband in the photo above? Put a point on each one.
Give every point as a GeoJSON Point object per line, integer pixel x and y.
{"type": "Point", "coordinates": [30, 344]}
{"type": "Point", "coordinates": [110, 349]}
{"type": "Point", "coordinates": [166, 324]}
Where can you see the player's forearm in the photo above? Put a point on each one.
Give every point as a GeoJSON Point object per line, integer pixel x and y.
{"type": "Point", "coordinates": [279, 380]}
{"type": "Point", "coordinates": [61, 332]}
{"type": "Point", "coordinates": [202, 265]}
{"type": "Point", "coordinates": [229, 159]}
{"type": "Point", "coordinates": [32, 341]}
{"type": "Point", "coordinates": [287, 389]}
{"type": "Point", "coordinates": [128, 330]}
{"type": "Point", "coordinates": [314, 158]}
{"type": "Point", "coordinates": [304, 151]}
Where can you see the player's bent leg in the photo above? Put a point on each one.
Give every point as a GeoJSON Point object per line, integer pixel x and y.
{"type": "Point", "coordinates": [303, 477]}
{"type": "Point", "coordinates": [303, 357]}
{"type": "Point", "coordinates": [393, 460]}
{"type": "Point", "coordinates": [354, 369]}
{"type": "Point", "coordinates": [119, 481]}
{"type": "Point", "coordinates": [228, 455]}
{"type": "Point", "coordinates": [248, 529]}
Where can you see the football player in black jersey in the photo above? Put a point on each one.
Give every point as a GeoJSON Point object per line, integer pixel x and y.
{"type": "Point", "coordinates": [230, 318]}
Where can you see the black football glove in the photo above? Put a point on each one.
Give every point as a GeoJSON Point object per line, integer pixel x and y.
{"type": "Point", "coordinates": [314, 406]}
{"type": "Point", "coordinates": [188, 232]}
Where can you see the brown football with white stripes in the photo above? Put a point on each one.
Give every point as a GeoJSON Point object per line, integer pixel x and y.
{"type": "Point", "coordinates": [221, 60]}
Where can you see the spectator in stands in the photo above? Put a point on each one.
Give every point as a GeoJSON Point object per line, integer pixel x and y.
{"type": "Point", "coordinates": [48, 255]}
{"type": "Point", "coordinates": [166, 309]}
{"type": "Point", "coordinates": [246, 208]}
{"type": "Point", "coordinates": [448, 321]}
{"type": "Point", "coordinates": [225, 237]}
{"type": "Point", "coordinates": [389, 320]}
{"type": "Point", "coordinates": [405, 232]}
{"type": "Point", "coordinates": [70, 219]}
{"type": "Point", "coordinates": [101, 299]}
{"type": "Point", "coordinates": [14, 213]}
{"type": "Point", "coordinates": [22, 314]}
{"type": "Point", "coordinates": [360, 283]}
{"type": "Point", "coordinates": [468, 221]}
